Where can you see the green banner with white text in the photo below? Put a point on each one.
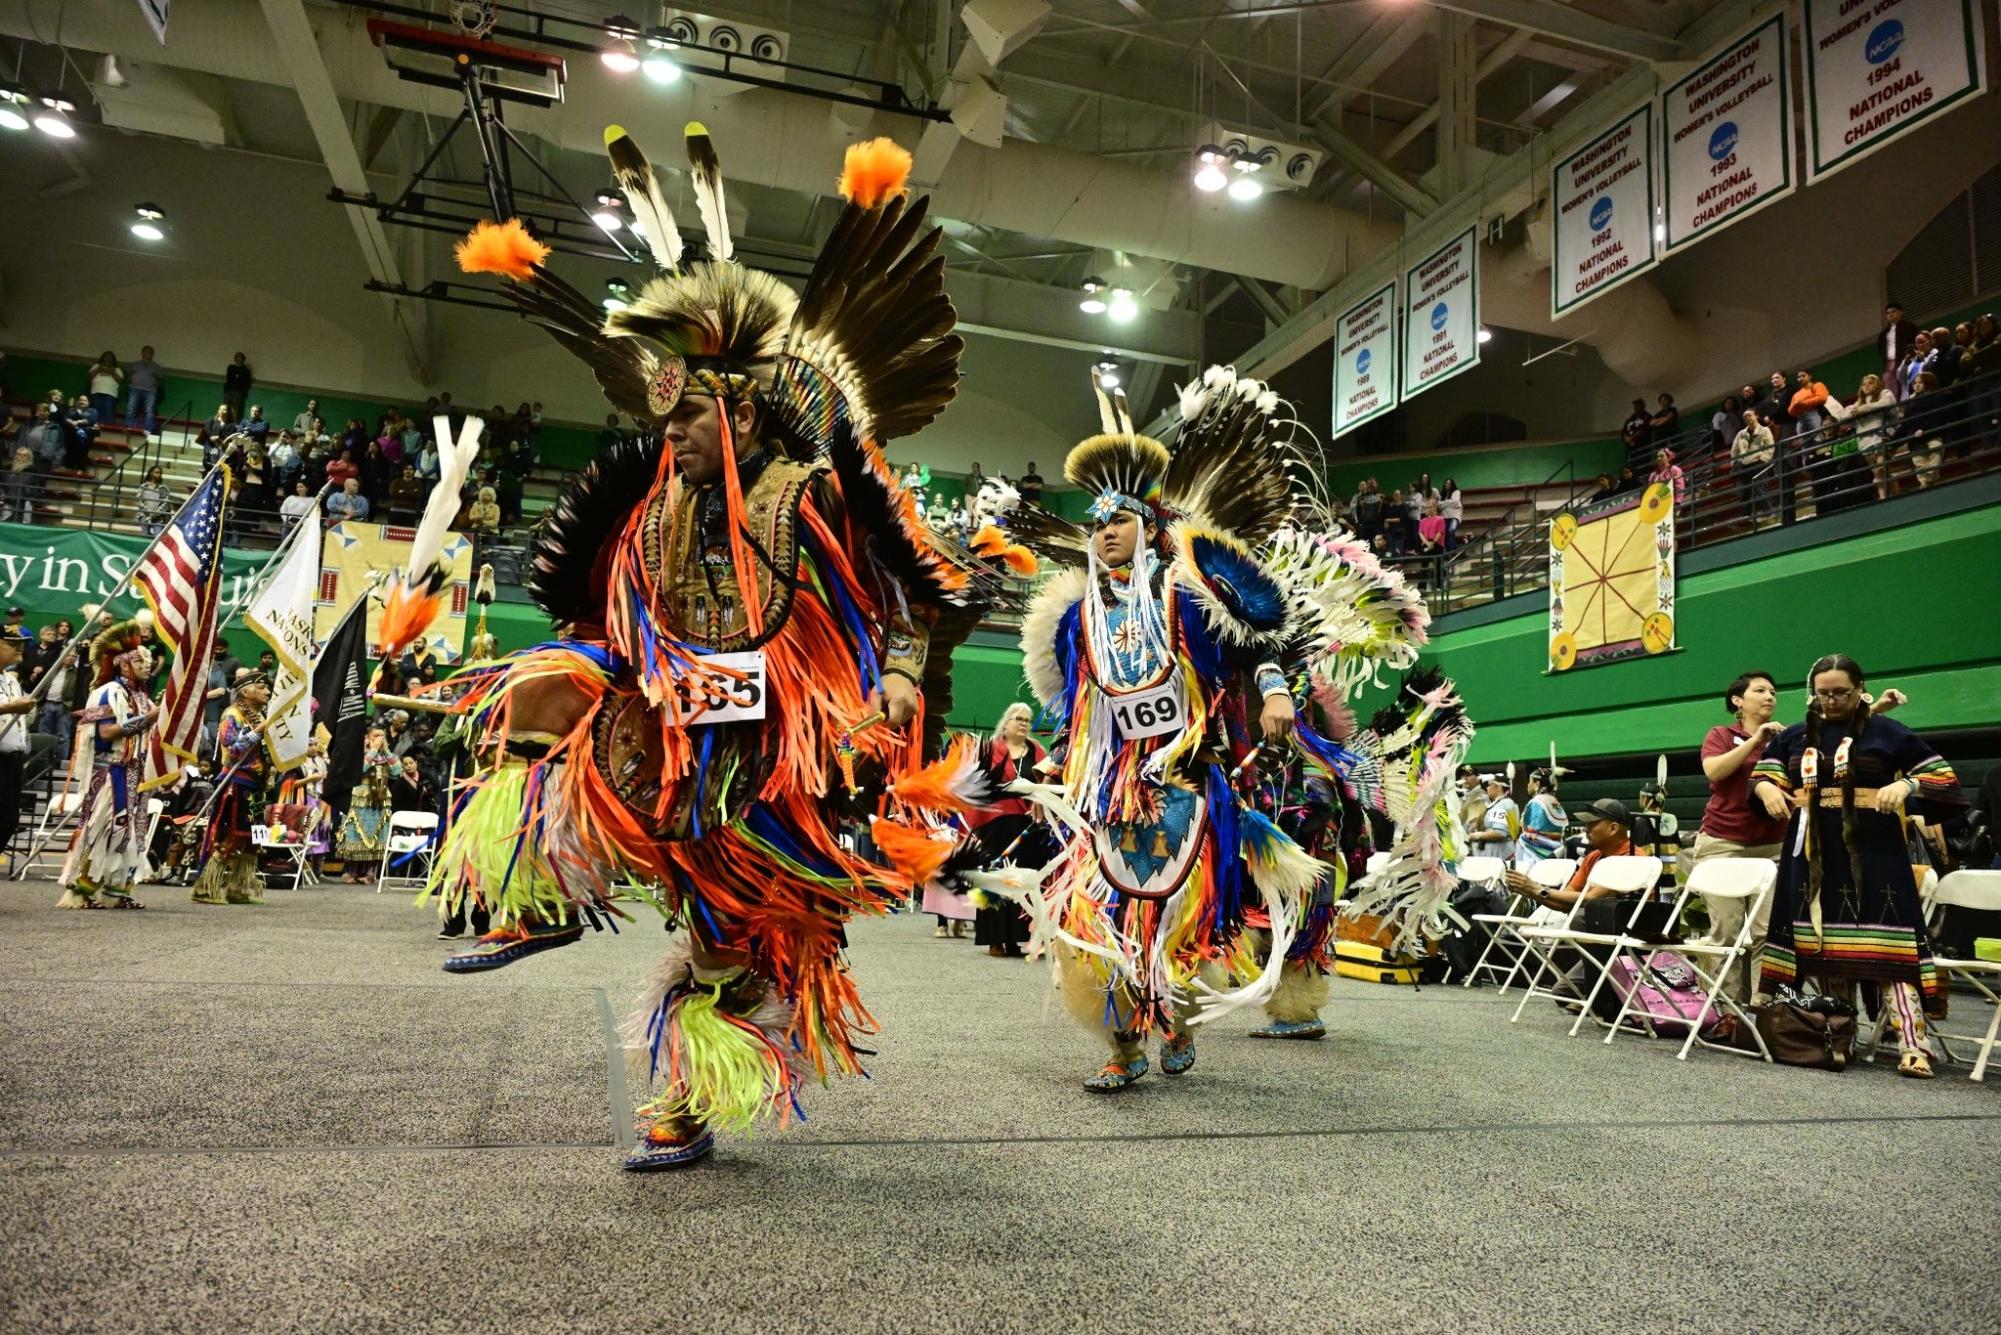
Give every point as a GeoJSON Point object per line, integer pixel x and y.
{"type": "Point", "coordinates": [53, 572]}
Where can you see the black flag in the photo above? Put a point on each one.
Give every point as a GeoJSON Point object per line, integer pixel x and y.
{"type": "Point", "coordinates": [340, 702]}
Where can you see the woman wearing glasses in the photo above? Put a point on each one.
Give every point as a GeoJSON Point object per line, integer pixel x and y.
{"type": "Point", "coordinates": [1846, 909]}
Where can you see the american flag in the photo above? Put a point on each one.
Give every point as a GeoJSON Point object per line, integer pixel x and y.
{"type": "Point", "coordinates": [181, 580]}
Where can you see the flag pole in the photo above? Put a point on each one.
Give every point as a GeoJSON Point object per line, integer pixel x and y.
{"type": "Point", "coordinates": [124, 587]}
{"type": "Point", "coordinates": [279, 553]}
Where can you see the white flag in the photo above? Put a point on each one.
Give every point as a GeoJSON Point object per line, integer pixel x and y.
{"type": "Point", "coordinates": [282, 616]}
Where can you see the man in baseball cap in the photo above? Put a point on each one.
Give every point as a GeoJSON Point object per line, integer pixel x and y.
{"type": "Point", "coordinates": [1607, 826]}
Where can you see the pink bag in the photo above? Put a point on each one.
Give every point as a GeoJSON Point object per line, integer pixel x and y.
{"type": "Point", "coordinates": [1670, 994]}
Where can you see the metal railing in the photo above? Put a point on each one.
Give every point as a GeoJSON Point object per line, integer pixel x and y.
{"type": "Point", "coordinates": [1841, 465]}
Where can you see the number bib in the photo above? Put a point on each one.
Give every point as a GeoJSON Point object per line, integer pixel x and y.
{"type": "Point", "coordinates": [1151, 711]}
{"type": "Point", "coordinates": [733, 702]}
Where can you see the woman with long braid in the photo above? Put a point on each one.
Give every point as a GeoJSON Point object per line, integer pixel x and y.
{"type": "Point", "coordinates": [1846, 909]}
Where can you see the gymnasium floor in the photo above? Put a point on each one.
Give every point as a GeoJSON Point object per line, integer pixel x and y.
{"type": "Point", "coordinates": [287, 1117]}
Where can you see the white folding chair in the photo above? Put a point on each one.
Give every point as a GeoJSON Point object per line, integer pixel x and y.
{"type": "Point", "coordinates": [1971, 888]}
{"type": "Point", "coordinates": [1491, 873]}
{"type": "Point", "coordinates": [412, 840]}
{"type": "Point", "coordinates": [1748, 879]}
{"type": "Point", "coordinates": [1550, 874]}
{"type": "Point", "coordinates": [299, 850]}
{"type": "Point", "coordinates": [1623, 875]}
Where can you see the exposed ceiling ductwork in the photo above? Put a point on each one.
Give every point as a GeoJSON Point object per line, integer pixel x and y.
{"type": "Point", "coordinates": [789, 142]}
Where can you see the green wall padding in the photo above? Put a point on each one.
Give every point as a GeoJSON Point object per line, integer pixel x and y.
{"type": "Point", "coordinates": [1510, 466]}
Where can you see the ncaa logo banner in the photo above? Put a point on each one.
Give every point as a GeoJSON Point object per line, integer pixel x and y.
{"type": "Point", "coordinates": [1726, 136]}
{"type": "Point", "coordinates": [1602, 199]}
{"type": "Point", "coordinates": [1441, 315]}
{"type": "Point", "coordinates": [1878, 68]}
{"type": "Point", "coordinates": [1365, 359]}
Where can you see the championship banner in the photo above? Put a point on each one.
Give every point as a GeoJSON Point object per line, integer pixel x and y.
{"type": "Point", "coordinates": [1603, 199]}
{"type": "Point", "coordinates": [1611, 579]}
{"type": "Point", "coordinates": [355, 552]}
{"type": "Point", "coordinates": [1365, 359]}
{"type": "Point", "coordinates": [1727, 136]}
{"type": "Point", "coordinates": [283, 616]}
{"type": "Point", "coordinates": [1877, 68]}
{"type": "Point", "coordinates": [1441, 315]}
{"type": "Point", "coordinates": [51, 572]}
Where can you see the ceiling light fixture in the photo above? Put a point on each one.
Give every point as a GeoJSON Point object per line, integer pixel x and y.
{"type": "Point", "coordinates": [12, 99]}
{"type": "Point", "coordinates": [660, 65]}
{"type": "Point", "coordinates": [1108, 374]}
{"type": "Point", "coordinates": [148, 228]}
{"type": "Point", "coordinates": [1122, 307]}
{"type": "Point", "coordinates": [1209, 174]}
{"type": "Point", "coordinates": [1094, 300]}
{"type": "Point", "coordinates": [53, 119]}
{"type": "Point", "coordinates": [619, 57]}
{"type": "Point", "coordinates": [606, 214]}
{"type": "Point", "coordinates": [1246, 188]}
{"type": "Point", "coordinates": [616, 293]}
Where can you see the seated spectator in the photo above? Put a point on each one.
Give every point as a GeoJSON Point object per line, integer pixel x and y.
{"type": "Point", "coordinates": [484, 517]}
{"type": "Point", "coordinates": [255, 426]}
{"type": "Point", "coordinates": [347, 503]}
{"type": "Point", "coordinates": [46, 437]}
{"type": "Point", "coordinates": [298, 505]}
{"type": "Point", "coordinates": [155, 501]}
{"type": "Point", "coordinates": [1751, 455]}
{"type": "Point", "coordinates": [406, 496]}
{"type": "Point", "coordinates": [1666, 470]}
{"type": "Point", "coordinates": [19, 487]}
{"type": "Point", "coordinates": [1629, 480]}
{"type": "Point", "coordinates": [1603, 488]}
{"type": "Point", "coordinates": [1666, 419]}
{"type": "Point", "coordinates": [1607, 827]}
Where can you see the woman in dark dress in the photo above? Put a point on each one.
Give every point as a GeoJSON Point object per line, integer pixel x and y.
{"type": "Point", "coordinates": [1846, 909]}
{"type": "Point", "coordinates": [1000, 925]}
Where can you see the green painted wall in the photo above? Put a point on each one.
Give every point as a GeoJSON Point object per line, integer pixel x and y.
{"type": "Point", "coordinates": [1914, 605]}
{"type": "Point", "coordinates": [1502, 466]}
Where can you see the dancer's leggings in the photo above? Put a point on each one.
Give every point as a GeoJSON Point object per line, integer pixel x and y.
{"type": "Point", "coordinates": [1907, 1012]}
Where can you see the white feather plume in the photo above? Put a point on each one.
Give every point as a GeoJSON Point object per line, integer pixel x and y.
{"type": "Point", "coordinates": [455, 460]}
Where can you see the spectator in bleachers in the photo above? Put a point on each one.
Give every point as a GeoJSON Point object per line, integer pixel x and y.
{"type": "Point", "coordinates": [1367, 509]}
{"type": "Point", "coordinates": [427, 461]}
{"type": "Point", "coordinates": [1906, 381]}
{"type": "Point", "coordinates": [1751, 455]}
{"type": "Point", "coordinates": [106, 380]}
{"type": "Point", "coordinates": [19, 487]}
{"type": "Point", "coordinates": [155, 501]}
{"type": "Point", "coordinates": [1894, 343]}
{"type": "Point", "coordinates": [142, 391]}
{"type": "Point", "coordinates": [1926, 415]}
{"type": "Point", "coordinates": [376, 475]}
{"type": "Point", "coordinates": [1030, 485]}
{"type": "Point", "coordinates": [347, 503]}
{"type": "Point", "coordinates": [1603, 488]}
{"type": "Point", "coordinates": [1776, 405]}
{"type": "Point", "coordinates": [1666, 419]}
{"type": "Point", "coordinates": [415, 434]}
{"type": "Point", "coordinates": [1868, 413]}
{"type": "Point", "coordinates": [256, 426]}
{"type": "Point", "coordinates": [236, 382]}
{"type": "Point", "coordinates": [1629, 480]}
{"type": "Point", "coordinates": [1636, 432]}
{"type": "Point", "coordinates": [1396, 523]}
{"type": "Point", "coordinates": [79, 433]}
{"type": "Point", "coordinates": [342, 469]}
{"type": "Point", "coordinates": [391, 444]}
{"type": "Point", "coordinates": [1944, 358]}
{"type": "Point", "coordinates": [283, 456]}
{"type": "Point", "coordinates": [44, 435]}
{"type": "Point", "coordinates": [297, 505]}
{"type": "Point", "coordinates": [611, 435]}
{"type": "Point", "coordinates": [1421, 494]}
{"type": "Point", "coordinates": [1452, 506]}
{"type": "Point", "coordinates": [1668, 471]}
{"type": "Point", "coordinates": [1808, 406]}
{"type": "Point", "coordinates": [1981, 366]}
{"type": "Point", "coordinates": [406, 496]}
{"type": "Point", "coordinates": [303, 423]}
{"type": "Point", "coordinates": [256, 494]}
{"type": "Point", "coordinates": [484, 517]}
{"type": "Point", "coordinates": [214, 432]}
{"type": "Point", "coordinates": [1726, 422]}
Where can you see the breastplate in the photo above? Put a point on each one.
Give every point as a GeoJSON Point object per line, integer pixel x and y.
{"type": "Point", "coordinates": [702, 589]}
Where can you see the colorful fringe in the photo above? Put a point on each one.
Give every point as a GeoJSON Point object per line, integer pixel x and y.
{"type": "Point", "coordinates": [1860, 952]}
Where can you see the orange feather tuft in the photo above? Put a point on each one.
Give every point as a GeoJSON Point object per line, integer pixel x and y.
{"type": "Point", "coordinates": [991, 543]}
{"type": "Point", "coordinates": [407, 612]}
{"type": "Point", "coordinates": [916, 854]}
{"type": "Point", "coordinates": [502, 248]}
{"type": "Point", "coordinates": [875, 172]}
{"type": "Point", "coordinates": [935, 787]}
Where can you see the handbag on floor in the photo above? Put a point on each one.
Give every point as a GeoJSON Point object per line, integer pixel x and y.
{"type": "Point", "coordinates": [1817, 1032]}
